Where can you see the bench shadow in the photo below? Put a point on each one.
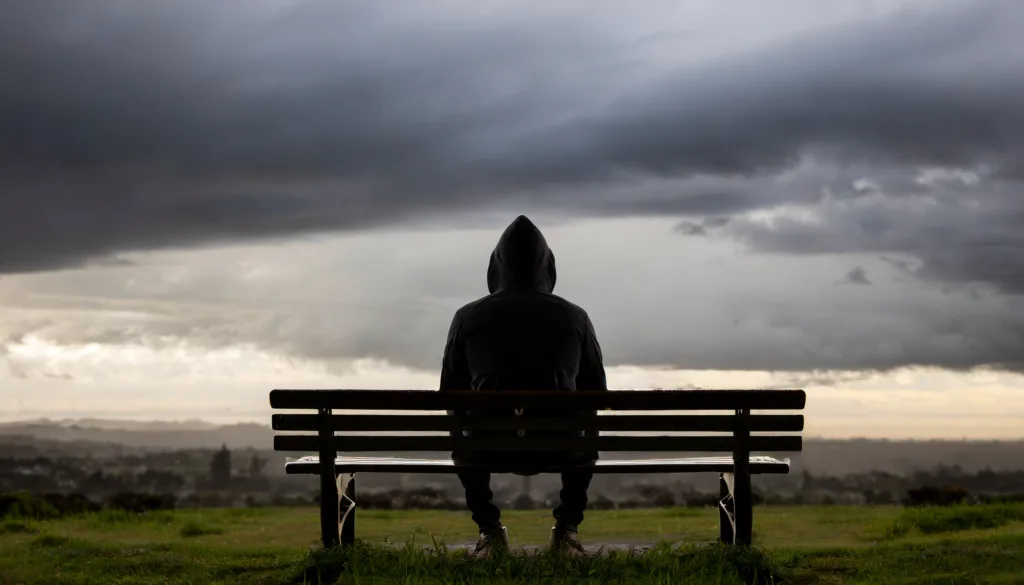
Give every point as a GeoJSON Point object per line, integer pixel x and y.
{"type": "Point", "coordinates": [319, 575]}
{"type": "Point", "coordinates": [323, 566]}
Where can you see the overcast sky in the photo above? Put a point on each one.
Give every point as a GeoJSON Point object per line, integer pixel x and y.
{"type": "Point", "coordinates": [202, 201]}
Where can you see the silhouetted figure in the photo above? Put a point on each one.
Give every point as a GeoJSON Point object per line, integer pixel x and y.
{"type": "Point", "coordinates": [523, 337]}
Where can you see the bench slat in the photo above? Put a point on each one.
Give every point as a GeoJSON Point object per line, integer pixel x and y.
{"type": "Point", "coordinates": [584, 400]}
{"type": "Point", "coordinates": [412, 422]}
{"type": "Point", "coordinates": [348, 464]}
{"type": "Point", "coordinates": [350, 444]}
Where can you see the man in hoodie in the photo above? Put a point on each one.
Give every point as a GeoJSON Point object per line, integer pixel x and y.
{"type": "Point", "coordinates": [523, 337]}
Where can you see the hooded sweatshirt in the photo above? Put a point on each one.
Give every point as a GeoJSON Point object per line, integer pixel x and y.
{"type": "Point", "coordinates": [522, 336]}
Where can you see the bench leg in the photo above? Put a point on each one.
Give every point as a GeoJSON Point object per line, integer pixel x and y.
{"type": "Point", "coordinates": [347, 503]}
{"type": "Point", "coordinates": [726, 510]}
{"type": "Point", "coordinates": [329, 496]}
{"type": "Point", "coordinates": [743, 509]}
{"type": "Point", "coordinates": [739, 484]}
{"type": "Point", "coordinates": [329, 502]}
{"type": "Point", "coordinates": [735, 511]}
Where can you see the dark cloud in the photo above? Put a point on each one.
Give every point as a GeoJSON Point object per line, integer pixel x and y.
{"type": "Point", "coordinates": [953, 234]}
{"type": "Point", "coordinates": [824, 378]}
{"type": "Point", "coordinates": [127, 126]}
{"type": "Point", "coordinates": [695, 228]}
{"type": "Point", "coordinates": [690, 228]}
{"type": "Point", "coordinates": [857, 275]}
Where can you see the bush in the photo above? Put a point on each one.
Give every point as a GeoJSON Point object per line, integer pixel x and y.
{"type": "Point", "coordinates": [66, 504]}
{"type": "Point", "coordinates": [140, 503]}
{"type": "Point", "coordinates": [658, 496]}
{"type": "Point", "coordinates": [50, 541]}
{"type": "Point", "coordinates": [373, 501]}
{"type": "Point", "coordinates": [26, 505]}
{"type": "Point", "coordinates": [524, 502]}
{"type": "Point", "coordinates": [113, 517]}
{"type": "Point", "coordinates": [193, 528]}
{"type": "Point", "coordinates": [1001, 499]}
{"type": "Point", "coordinates": [425, 498]}
{"type": "Point", "coordinates": [16, 528]}
{"type": "Point", "coordinates": [702, 501]}
{"type": "Point", "coordinates": [937, 496]}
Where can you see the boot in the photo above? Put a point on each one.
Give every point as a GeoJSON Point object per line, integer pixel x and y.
{"type": "Point", "coordinates": [492, 543]}
{"type": "Point", "coordinates": [565, 540]}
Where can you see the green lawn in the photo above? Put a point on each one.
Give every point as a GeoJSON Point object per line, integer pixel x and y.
{"type": "Point", "coordinates": [835, 544]}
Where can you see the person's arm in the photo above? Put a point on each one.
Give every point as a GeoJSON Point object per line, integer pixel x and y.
{"type": "Point", "coordinates": [591, 374]}
{"type": "Point", "coordinates": [454, 370]}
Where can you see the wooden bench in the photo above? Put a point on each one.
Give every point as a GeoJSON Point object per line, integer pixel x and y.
{"type": "Point", "coordinates": [734, 433]}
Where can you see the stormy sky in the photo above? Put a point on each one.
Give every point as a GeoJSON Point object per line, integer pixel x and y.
{"type": "Point", "coordinates": [824, 193]}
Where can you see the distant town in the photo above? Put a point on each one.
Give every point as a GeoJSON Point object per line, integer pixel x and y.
{"type": "Point", "coordinates": [198, 464]}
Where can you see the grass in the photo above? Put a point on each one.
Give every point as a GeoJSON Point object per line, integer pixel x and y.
{"type": "Point", "coordinates": [801, 544]}
{"type": "Point", "coordinates": [955, 519]}
{"type": "Point", "coordinates": [693, 564]}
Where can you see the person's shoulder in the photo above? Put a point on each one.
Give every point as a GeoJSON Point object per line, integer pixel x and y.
{"type": "Point", "coordinates": [464, 311]}
{"type": "Point", "coordinates": [495, 300]}
{"type": "Point", "coordinates": [570, 306]}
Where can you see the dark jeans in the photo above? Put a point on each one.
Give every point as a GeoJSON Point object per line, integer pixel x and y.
{"type": "Point", "coordinates": [487, 516]}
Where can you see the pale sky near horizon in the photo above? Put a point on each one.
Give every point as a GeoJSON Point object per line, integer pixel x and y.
{"type": "Point", "coordinates": [199, 204]}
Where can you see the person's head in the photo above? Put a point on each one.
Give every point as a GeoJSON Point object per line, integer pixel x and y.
{"type": "Point", "coordinates": [522, 258]}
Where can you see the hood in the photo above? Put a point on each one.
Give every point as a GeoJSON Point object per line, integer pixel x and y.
{"type": "Point", "coordinates": [521, 259]}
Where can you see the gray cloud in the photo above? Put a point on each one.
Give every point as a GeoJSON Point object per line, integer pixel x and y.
{"type": "Point", "coordinates": [656, 300]}
{"type": "Point", "coordinates": [893, 143]}
{"type": "Point", "coordinates": [824, 378]}
{"type": "Point", "coordinates": [857, 275]}
{"type": "Point", "coordinates": [950, 233]}
{"type": "Point", "coordinates": [127, 126]}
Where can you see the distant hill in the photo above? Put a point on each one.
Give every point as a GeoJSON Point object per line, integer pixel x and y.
{"type": "Point", "coordinates": [820, 456]}
{"type": "Point", "coordinates": [193, 424]}
{"type": "Point", "coordinates": [192, 434]}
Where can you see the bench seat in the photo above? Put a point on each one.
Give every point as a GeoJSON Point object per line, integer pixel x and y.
{"type": "Point", "coordinates": [354, 464]}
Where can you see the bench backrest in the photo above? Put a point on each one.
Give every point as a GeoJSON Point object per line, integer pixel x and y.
{"type": "Point", "coordinates": [735, 432]}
